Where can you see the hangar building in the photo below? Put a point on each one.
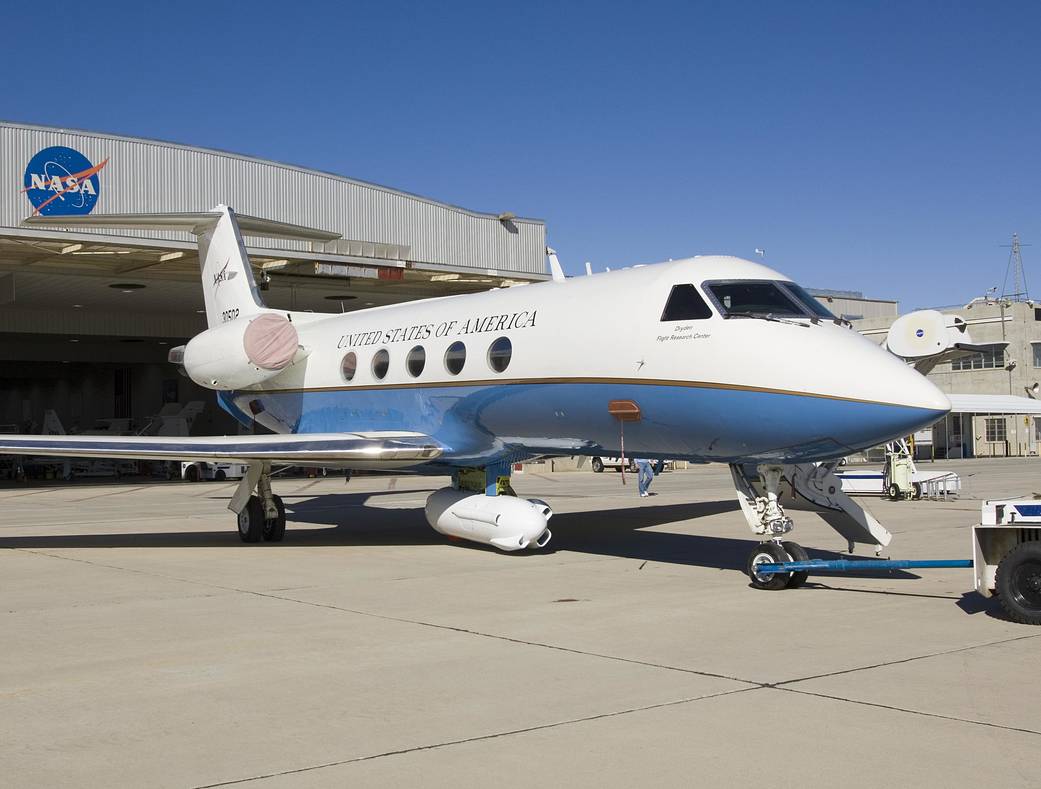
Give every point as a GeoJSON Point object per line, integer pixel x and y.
{"type": "Point", "coordinates": [87, 318]}
{"type": "Point", "coordinates": [1009, 366]}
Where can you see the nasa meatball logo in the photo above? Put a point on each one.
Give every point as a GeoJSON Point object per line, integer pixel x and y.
{"type": "Point", "coordinates": [920, 333]}
{"type": "Point", "coordinates": [60, 181]}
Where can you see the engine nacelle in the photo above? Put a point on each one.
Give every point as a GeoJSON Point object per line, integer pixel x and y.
{"type": "Point", "coordinates": [242, 352]}
{"type": "Point", "coordinates": [507, 522]}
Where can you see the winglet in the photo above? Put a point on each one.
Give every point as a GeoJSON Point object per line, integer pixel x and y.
{"type": "Point", "coordinates": [554, 265]}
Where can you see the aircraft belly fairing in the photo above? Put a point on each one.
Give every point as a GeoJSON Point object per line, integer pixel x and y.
{"type": "Point", "coordinates": [682, 422]}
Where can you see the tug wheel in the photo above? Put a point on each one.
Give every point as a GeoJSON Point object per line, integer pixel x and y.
{"type": "Point", "coordinates": [598, 465]}
{"type": "Point", "coordinates": [767, 553]}
{"type": "Point", "coordinates": [798, 554]}
{"type": "Point", "coordinates": [894, 492]}
{"type": "Point", "coordinates": [1018, 583]}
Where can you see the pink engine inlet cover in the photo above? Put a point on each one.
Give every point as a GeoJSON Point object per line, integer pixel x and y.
{"type": "Point", "coordinates": [270, 341]}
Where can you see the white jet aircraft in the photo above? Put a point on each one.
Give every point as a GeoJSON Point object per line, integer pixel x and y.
{"type": "Point", "coordinates": [715, 359]}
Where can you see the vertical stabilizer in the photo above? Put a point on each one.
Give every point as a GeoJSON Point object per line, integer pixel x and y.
{"type": "Point", "coordinates": [228, 287]}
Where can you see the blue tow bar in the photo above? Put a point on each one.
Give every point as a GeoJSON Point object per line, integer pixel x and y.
{"type": "Point", "coordinates": [844, 565]}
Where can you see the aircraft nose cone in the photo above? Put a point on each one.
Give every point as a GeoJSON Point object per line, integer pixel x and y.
{"type": "Point", "coordinates": [907, 401]}
{"type": "Point", "coordinates": [888, 399]}
{"type": "Point", "coordinates": [919, 392]}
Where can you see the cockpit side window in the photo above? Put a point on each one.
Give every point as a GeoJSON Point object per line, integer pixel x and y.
{"type": "Point", "coordinates": [809, 301]}
{"type": "Point", "coordinates": [685, 304]}
{"type": "Point", "coordinates": [750, 297]}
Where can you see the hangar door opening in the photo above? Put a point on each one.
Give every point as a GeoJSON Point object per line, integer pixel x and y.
{"type": "Point", "coordinates": [110, 384]}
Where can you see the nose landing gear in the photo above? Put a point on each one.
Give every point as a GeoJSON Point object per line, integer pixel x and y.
{"type": "Point", "coordinates": [764, 491]}
{"type": "Point", "coordinates": [775, 552]}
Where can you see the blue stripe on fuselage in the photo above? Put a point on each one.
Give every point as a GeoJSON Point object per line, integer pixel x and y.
{"type": "Point", "coordinates": [483, 423]}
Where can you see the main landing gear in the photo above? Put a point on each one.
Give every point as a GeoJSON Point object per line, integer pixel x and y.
{"type": "Point", "coordinates": [261, 516]}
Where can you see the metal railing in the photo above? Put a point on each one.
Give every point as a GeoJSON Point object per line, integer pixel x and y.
{"type": "Point", "coordinates": [939, 488]}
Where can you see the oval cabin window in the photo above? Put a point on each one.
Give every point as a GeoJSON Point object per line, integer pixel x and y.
{"type": "Point", "coordinates": [349, 366]}
{"type": "Point", "coordinates": [416, 361]}
{"type": "Point", "coordinates": [499, 354]}
{"type": "Point", "coordinates": [381, 363]}
{"type": "Point", "coordinates": [455, 358]}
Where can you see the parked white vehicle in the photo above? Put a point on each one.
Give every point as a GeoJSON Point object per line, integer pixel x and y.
{"type": "Point", "coordinates": [599, 464]}
{"type": "Point", "coordinates": [197, 471]}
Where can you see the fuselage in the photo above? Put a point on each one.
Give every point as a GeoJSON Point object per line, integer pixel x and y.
{"type": "Point", "coordinates": [719, 386]}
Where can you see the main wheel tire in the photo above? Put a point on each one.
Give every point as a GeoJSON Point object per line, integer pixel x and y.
{"type": "Point", "coordinates": [191, 474]}
{"type": "Point", "coordinates": [767, 553]}
{"type": "Point", "coordinates": [251, 520]}
{"type": "Point", "coordinates": [1018, 583]}
{"type": "Point", "coordinates": [598, 465]}
{"type": "Point", "coordinates": [798, 554]}
{"type": "Point", "coordinates": [275, 530]}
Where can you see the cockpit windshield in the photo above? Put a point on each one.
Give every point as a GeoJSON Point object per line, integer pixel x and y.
{"type": "Point", "coordinates": [809, 301]}
{"type": "Point", "coordinates": [747, 297]}
{"type": "Point", "coordinates": [765, 298]}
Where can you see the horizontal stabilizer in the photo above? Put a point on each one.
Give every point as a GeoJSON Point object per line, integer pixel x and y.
{"type": "Point", "coordinates": [191, 222]}
{"type": "Point", "coordinates": [387, 450]}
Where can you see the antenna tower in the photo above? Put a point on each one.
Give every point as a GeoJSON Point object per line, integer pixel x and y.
{"type": "Point", "coordinates": [1015, 268]}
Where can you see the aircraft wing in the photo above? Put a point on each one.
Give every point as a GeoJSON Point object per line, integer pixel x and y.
{"type": "Point", "coordinates": [379, 450]}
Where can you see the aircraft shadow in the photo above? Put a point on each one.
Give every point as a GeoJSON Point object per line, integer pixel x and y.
{"type": "Point", "coordinates": [623, 533]}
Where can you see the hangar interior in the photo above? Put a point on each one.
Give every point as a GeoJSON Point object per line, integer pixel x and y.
{"type": "Point", "coordinates": [87, 318]}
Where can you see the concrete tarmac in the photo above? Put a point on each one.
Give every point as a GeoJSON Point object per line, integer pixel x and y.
{"type": "Point", "coordinates": [144, 645]}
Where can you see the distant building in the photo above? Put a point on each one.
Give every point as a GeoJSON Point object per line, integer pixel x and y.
{"type": "Point", "coordinates": [1011, 365]}
{"type": "Point", "coordinates": [88, 316]}
{"type": "Point", "coordinates": [851, 305]}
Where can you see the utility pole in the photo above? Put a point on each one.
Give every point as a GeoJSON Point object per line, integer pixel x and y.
{"type": "Point", "coordinates": [1015, 268]}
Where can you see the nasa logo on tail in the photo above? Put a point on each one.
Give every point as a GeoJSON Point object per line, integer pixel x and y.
{"type": "Point", "coordinates": [223, 275]}
{"type": "Point", "coordinates": [60, 180]}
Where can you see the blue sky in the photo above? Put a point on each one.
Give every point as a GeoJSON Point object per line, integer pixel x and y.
{"type": "Point", "coordinates": [883, 147]}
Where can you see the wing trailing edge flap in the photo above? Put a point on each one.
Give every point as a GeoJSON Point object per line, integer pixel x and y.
{"type": "Point", "coordinates": [355, 450]}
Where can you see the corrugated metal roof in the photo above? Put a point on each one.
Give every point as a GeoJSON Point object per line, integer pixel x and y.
{"type": "Point", "coordinates": [153, 176]}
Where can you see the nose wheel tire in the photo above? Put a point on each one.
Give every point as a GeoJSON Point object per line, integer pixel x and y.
{"type": "Point", "coordinates": [275, 530]}
{"type": "Point", "coordinates": [1018, 583]}
{"type": "Point", "coordinates": [798, 554]}
{"type": "Point", "coordinates": [251, 520]}
{"type": "Point", "coordinates": [768, 553]}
